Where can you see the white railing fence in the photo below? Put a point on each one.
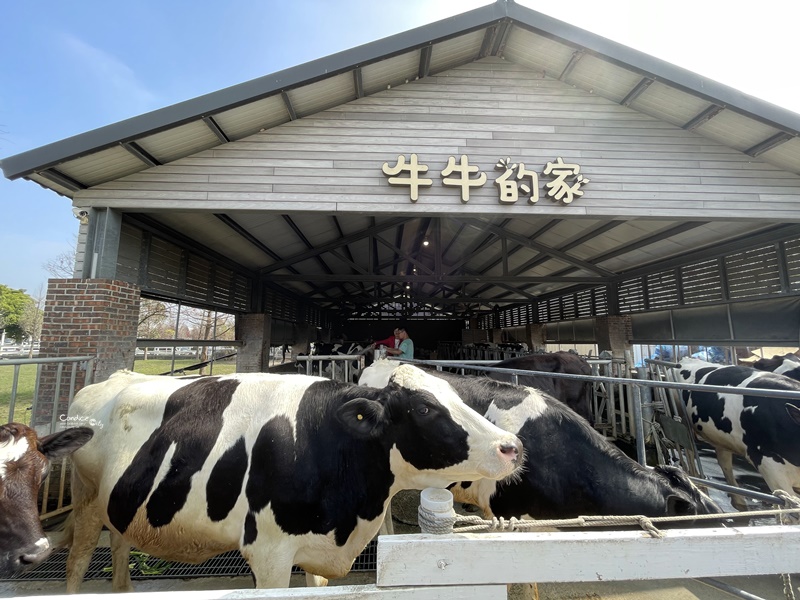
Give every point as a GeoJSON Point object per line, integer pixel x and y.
{"type": "Point", "coordinates": [480, 566]}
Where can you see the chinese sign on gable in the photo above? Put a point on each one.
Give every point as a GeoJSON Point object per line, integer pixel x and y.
{"type": "Point", "coordinates": [515, 181]}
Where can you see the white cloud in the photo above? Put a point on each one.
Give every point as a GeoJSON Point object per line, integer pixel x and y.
{"type": "Point", "coordinates": [111, 77]}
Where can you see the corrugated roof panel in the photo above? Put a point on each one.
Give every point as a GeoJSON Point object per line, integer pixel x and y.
{"type": "Point", "coordinates": [324, 94]}
{"type": "Point", "coordinates": [392, 71]}
{"type": "Point", "coordinates": [670, 104]}
{"type": "Point", "coordinates": [735, 130]}
{"type": "Point", "coordinates": [176, 143]}
{"type": "Point", "coordinates": [602, 78]}
{"type": "Point", "coordinates": [456, 51]}
{"type": "Point", "coordinates": [253, 117]}
{"type": "Point", "coordinates": [103, 166]}
{"type": "Point", "coordinates": [786, 156]}
{"type": "Point", "coordinates": [537, 52]}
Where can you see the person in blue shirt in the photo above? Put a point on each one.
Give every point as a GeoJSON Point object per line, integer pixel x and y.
{"type": "Point", "coordinates": [406, 347]}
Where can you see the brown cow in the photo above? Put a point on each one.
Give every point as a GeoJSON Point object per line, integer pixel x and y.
{"type": "Point", "coordinates": [24, 463]}
{"type": "Point", "coordinates": [574, 393]}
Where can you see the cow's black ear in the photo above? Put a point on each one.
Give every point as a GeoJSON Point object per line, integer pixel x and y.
{"type": "Point", "coordinates": [794, 412]}
{"type": "Point", "coordinates": [64, 443]}
{"type": "Point", "coordinates": [365, 419]}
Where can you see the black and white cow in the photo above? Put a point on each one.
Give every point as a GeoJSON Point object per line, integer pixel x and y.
{"type": "Point", "coordinates": [761, 429]}
{"type": "Point", "coordinates": [569, 469]}
{"type": "Point", "coordinates": [289, 469]}
{"type": "Point", "coordinates": [787, 365]}
{"type": "Point", "coordinates": [24, 463]}
{"type": "Point", "coordinates": [575, 393]}
{"type": "Point", "coordinates": [335, 369]}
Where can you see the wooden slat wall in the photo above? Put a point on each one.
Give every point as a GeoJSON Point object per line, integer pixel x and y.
{"type": "Point", "coordinates": [331, 161]}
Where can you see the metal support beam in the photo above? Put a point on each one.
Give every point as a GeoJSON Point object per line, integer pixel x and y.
{"type": "Point", "coordinates": [768, 144]}
{"type": "Point", "coordinates": [449, 279]}
{"type": "Point", "coordinates": [289, 107]}
{"type": "Point", "coordinates": [706, 115]}
{"type": "Point", "coordinates": [63, 180]}
{"type": "Point", "coordinates": [141, 154]}
{"type": "Point", "coordinates": [637, 91]}
{"type": "Point", "coordinates": [573, 62]}
{"type": "Point", "coordinates": [358, 82]}
{"type": "Point", "coordinates": [214, 126]}
{"type": "Point", "coordinates": [425, 54]}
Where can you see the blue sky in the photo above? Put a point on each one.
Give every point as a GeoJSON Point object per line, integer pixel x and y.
{"type": "Point", "coordinates": [69, 67]}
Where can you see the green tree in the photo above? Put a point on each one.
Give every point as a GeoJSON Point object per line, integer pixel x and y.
{"type": "Point", "coordinates": [13, 305]}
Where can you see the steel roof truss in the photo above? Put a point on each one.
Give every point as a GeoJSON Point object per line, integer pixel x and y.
{"type": "Point", "coordinates": [348, 239]}
{"type": "Point", "coordinates": [521, 239]}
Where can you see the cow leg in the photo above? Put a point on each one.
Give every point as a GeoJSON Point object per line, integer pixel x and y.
{"type": "Point", "coordinates": [120, 560]}
{"type": "Point", "coordinates": [387, 527]}
{"type": "Point", "coordinates": [271, 564]}
{"type": "Point", "coordinates": [725, 460]}
{"type": "Point", "coordinates": [86, 530]}
{"type": "Point", "coordinates": [780, 476]}
{"type": "Point", "coordinates": [315, 580]}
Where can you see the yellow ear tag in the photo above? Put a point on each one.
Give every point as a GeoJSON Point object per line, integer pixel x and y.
{"type": "Point", "coordinates": [360, 417]}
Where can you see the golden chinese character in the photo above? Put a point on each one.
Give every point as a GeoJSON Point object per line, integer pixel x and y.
{"type": "Point", "coordinates": [559, 188]}
{"type": "Point", "coordinates": [509, 188]}
{"type": "Point", "coordinates": [464, 182]}
{"type": "Point", "coordinates": [414, 169]}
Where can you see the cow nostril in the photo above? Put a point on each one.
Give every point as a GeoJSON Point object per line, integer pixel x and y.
{"type": "Point", "coordinates": [27, 560]}
{"type": "Point", "coordinates": [509, 449]}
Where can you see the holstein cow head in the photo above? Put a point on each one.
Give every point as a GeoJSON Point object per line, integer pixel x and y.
{"type": "Point", "coordinates": [24, 463]}
{"type": "Point", "coordinates": [436, 437]}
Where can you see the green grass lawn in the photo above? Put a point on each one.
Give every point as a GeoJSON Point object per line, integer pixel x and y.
{"type": "Point", "coordinates": [27, 380]}
{"type": "Point", "coordinates": [157, 366]}
{"type": "Point", "coordinates": [24, 398]}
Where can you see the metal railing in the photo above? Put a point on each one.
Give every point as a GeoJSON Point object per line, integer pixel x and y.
{"type": "Point", "coordinates": [333, 366]}
{"type": "Point", "coordinates": [63, 380]}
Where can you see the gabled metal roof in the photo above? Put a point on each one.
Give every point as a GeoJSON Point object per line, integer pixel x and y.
{"type": "Point", "coordinates": [504, 28]}
{"type": "Point", "coordinates": [355, 263]}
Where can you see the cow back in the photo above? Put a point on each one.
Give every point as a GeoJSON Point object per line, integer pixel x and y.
{"type": "Point", "coordinates": [574, 393]}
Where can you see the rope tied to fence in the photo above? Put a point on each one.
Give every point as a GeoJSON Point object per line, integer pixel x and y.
{"type": "Point", "coordinates": [473, 523]}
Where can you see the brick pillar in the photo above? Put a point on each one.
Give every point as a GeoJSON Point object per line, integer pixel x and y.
{"type": "Point", "coordinates": [85, 317]}
{"type": "Point", "coordinates": [536, 336]}
{"type": "Point", "coordinates": [613, 333]}
{"type": "Point", "coordinates": [255, 330]}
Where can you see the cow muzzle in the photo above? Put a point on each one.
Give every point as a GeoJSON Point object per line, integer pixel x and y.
{"type": "Point", "coordinates": [509, 452]}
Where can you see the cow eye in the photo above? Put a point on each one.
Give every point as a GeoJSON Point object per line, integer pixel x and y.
{"type": "Point", "coordinates": [423, 410]}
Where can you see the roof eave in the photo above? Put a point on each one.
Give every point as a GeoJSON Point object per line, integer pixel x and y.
{"type": "Point", "coordinates": [174, 115]}
{"type": "Point", "coordinates": [44, 157]}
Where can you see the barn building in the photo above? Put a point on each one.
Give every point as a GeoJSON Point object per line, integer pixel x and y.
{"type": "Point", "coordinates": [497, 172]}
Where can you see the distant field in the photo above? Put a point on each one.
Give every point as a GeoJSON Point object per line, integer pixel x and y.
{"type": "Point", "coordinates": [27, 381]}
{"type": "Point", "coordinates": [157, 366]}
